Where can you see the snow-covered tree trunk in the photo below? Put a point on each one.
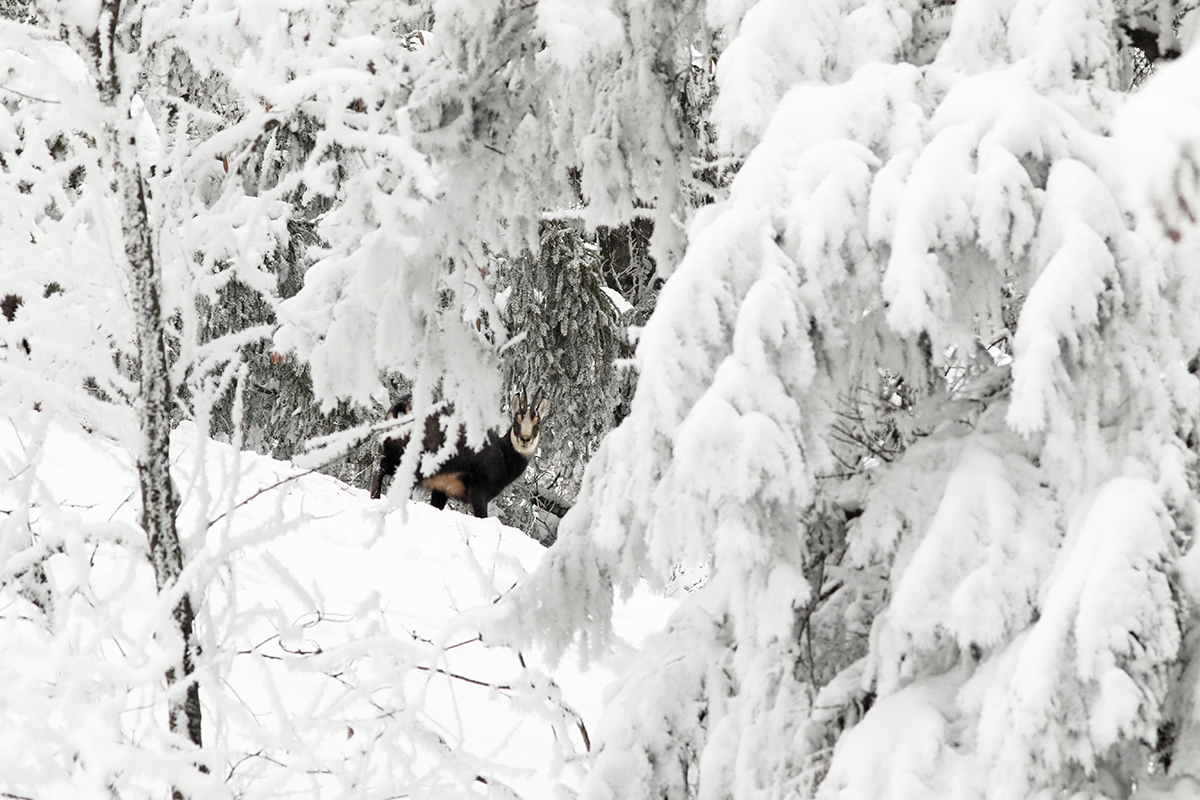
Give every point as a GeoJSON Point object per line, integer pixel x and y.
{"type": "Point", "coordinates": [109, 47]}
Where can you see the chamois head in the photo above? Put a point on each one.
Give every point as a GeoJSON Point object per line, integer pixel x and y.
{"type": "Point", "coordinates": [526, 422]}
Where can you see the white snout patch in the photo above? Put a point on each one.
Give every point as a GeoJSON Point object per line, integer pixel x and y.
{"type": "Point", "coordinates": [525, 448]}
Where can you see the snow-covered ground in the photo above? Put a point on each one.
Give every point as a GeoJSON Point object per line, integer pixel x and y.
{"type": "Point", "coordinates": [341, 635]}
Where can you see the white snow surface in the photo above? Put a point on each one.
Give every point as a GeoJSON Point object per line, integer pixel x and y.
{"type": "Point", "coordinates": [340, 636]}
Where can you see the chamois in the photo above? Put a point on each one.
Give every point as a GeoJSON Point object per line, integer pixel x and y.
{"type": "Point", "coordinates": [474, 476]}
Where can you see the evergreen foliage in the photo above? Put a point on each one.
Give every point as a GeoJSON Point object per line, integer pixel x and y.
{"type": "Point", "coordinates": [912, 297]}
{"type": "Point", "coordinates": [904, 593]}
{"type": "Point", "coordinates": [567, 335]}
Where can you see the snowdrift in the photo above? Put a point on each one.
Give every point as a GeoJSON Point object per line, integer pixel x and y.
{"type": "Point", "coordinates": [342, 653]}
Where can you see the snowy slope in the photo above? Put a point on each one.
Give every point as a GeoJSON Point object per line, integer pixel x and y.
{"type": "Point", "coordinates": [340, 635]}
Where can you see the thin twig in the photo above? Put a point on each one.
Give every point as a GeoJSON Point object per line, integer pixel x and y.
{"type": "Point", "coordinates": [473, 681]}
{"type": "Point", "coordinates": [282, 481]}
{"type": "Point", "coordinates": [40, 100]}
{"type": "Point", "coordinates": [264, 490]}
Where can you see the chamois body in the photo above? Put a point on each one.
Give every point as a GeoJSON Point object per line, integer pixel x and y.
{"type": "Point", "coordinates": [473, 476]}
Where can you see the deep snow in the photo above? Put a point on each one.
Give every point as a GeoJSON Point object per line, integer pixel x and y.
{"type": "Point", "coordinates": [340, 634]}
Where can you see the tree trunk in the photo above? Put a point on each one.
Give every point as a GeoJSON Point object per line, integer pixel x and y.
{"type": "Point", "coordinates": [111, 43]}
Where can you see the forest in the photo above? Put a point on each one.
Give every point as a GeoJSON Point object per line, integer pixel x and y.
{"type": "Point", "coordinates": [868, 330]}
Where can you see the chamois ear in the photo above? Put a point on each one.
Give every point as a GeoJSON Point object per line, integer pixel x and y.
{"type": "Point", "coordinates": [542, 409]}
{"type": "Point", "coordinates": [518, 404]}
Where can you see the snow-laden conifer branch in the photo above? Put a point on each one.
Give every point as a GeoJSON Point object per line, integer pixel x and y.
{"type": "Point", "coordinates": [934, 198]}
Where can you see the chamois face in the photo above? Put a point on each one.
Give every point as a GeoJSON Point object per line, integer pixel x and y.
{"type": "Point", "coordinates": [526, 421]}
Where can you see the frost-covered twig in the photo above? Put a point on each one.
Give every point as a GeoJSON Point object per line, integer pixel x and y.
{"type": "Point", "coordinates": [285, 480]}
{"type": "Point", "coordinates": [29, 96]}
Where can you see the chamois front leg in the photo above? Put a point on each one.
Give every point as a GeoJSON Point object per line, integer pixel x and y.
{"type": "Point", "coordinates": [391, 449]}
{"type": "Point", "coordinates": [437, 499]}
{"type": "Point", "coordinates": [388, 461]}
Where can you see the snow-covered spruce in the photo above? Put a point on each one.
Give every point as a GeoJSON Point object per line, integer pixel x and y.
{"type": "Point", "coordinates": [919, 392]}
